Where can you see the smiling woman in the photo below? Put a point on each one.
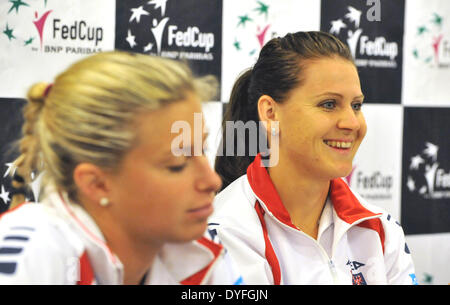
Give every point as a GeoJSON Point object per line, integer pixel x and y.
{"type": "Point", "coordinates": [118, 206]}
{"type": "Point", "coordinates": [326, 109]}
{"type": "Point", "coordinates": [298, 222]}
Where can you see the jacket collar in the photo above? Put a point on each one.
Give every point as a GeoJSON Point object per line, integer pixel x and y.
{"type": "Point", "coordinates": [106, 265]}
{"type": "Point", "coordinates": [346, 205]}
{"type": "Point", "coordinates": [202, 254]}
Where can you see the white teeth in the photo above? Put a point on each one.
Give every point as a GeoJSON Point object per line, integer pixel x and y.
{"type": "Point", "coordinates": [339, 144]}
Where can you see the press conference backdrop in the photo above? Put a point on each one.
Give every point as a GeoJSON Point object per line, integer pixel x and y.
{"type": "Point", "coordinates": [401, 49]}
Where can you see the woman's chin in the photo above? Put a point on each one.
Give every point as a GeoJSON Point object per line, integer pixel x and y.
{"type": "Point", "coordinates": [342, 171]}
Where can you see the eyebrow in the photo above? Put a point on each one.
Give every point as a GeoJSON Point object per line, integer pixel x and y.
{"type": "Point", "coordinates": [339, 95]}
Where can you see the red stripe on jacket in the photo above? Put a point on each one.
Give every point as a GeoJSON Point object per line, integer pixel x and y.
{"type": "Point", "coordinates": [86, 271]}
{"type": "Point", "coordinates": [269, 252]}
{"type": "Point", "coordinates": [197, 278]}
{"type": "Point", "coordinates": [345, 203]}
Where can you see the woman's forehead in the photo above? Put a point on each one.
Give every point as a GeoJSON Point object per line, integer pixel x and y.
{"type": "Point", "coordinates": [160, 127]}
{"type": "Point", "coordinates": [328, 73]}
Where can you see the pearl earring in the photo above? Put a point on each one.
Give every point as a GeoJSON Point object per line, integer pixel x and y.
{"type": "Point", "coordinates": [104, 201]}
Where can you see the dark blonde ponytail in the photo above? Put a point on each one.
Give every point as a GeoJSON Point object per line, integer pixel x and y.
{"type": "Point", "coordinates": [29, 161]}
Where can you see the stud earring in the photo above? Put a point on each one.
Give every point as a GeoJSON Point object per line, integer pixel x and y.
{"type": "Point", "coordinates": [274, 132]}
{"type": "Point", "coordinates": [104, 201]}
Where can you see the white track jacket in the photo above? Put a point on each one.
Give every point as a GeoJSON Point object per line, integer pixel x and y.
{"type": "Point", "coordinates": [57, 242]}
{"type": "Point", "coordinates": [357, 243]}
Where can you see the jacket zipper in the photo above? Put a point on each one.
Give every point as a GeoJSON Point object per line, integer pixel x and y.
{"type": "Point", "coordinates": [327, 259]}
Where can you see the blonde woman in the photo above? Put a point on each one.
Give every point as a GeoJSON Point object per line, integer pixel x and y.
{"type": "Point", "coordinates": [118, 206]}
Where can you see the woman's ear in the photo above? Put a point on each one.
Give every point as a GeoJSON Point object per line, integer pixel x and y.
{"type": "Point", "coordinates": [268, 114]}
{"type": "Point", "coordinates": [267, 109]}
{"type": "Point", "coordinates": [91, 182]}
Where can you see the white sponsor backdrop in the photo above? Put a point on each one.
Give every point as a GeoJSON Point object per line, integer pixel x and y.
{"type": "Point", "coordinates": [213, 116]}
{"type": "Point", "coordinates": [246, 25]}
{"type": "Point", "coordinates": [426, 66]}
{"type": "Point", "coordinates": [426, 79]}
{"type": "Point", "coordinates": [377, 164]}
{"type": "Point", "coordinates": [430, 253]}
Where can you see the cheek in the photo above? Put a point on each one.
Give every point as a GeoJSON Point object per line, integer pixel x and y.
{"type": "Point", "coordinates": [156, 200]}
{"type": "Point", "coordinates": [160, 190]}
{"type": "Point", "coordinates": [363, 128]}
{"type": "Point", "coordinates": [140, 187]}
{"type": "Point", "coordinates": [301, 137]}
{"type": "Point", "coordinates": [168, 192]}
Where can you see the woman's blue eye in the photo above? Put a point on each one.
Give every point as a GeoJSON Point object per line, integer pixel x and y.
{"type": "Point", "coordinates": [357, 106]}
{"type": "Point", "coordinates": [329, 105]}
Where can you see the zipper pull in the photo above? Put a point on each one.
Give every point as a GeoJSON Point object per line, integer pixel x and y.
{"type": "Point", "coordinates": [331, 265]}
{"type": "Point", "coordinates": [333, 271]}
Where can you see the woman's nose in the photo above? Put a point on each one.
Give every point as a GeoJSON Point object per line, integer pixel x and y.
{"type": "Point", "coordinates": [349, 119]}
{"type": "Point", "coordinates": [208, 180]}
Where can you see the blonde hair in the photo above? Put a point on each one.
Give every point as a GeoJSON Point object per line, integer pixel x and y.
{"type": "Point", "coordinates": [88, 112]}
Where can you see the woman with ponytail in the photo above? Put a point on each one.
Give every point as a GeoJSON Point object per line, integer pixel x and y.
{"type": "Point", "coordinates": [101, 138]}
{"type": "Point", "coordinates": [293, 220]}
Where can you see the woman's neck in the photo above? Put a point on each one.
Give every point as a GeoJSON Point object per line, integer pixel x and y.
{"type": "Point", "coordinates": [303, 196]}
{"type": "Point", "coordinates": [136, 255]}
{"type": "Point", "coordinates": [137, 258]}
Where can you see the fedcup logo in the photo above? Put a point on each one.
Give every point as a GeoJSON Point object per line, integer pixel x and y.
{"type": "Point", "coordinates": [56, 33]}
{"type": "Point", "coordinates": [40, 23]}
{"type": "Point", "coordinates": [157, 27]}
{"type": "Point", "coordinates": [432, 43]}
{"type": "Point", "coordinates": [374, 185]}
{"type": "Point", "coordinates": [253, 29]}
{"type": "Point", "coordinates": [189, 142]}
{"type": "Point", "coordinates": [20, 10]}
{"type": "Point", "coordinates": [425, 177]}
{"type": "Point", "coordinates": [366, 49]}
{"type": "Point", "coordinates": [162, 26]}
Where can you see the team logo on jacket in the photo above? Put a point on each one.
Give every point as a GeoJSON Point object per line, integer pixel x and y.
{"type": "Point", "coordinates": [357, 277]}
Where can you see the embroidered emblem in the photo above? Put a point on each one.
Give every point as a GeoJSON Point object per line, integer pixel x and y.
{"type": "Point", "coordinates": [357, 278]}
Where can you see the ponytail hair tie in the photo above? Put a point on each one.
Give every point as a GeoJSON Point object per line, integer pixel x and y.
{"type": "Point", "coordinates": [47, 90]}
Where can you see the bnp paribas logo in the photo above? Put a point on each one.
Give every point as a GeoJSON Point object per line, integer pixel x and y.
{"type": "Point", "coordinates": [426, 177]}
{"type": "Point", "coordinates": [431, 42]}
{"type": "Point", "coordinates": [15, 23]}
{"type": "Point", "coordinates": [253, 29]}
